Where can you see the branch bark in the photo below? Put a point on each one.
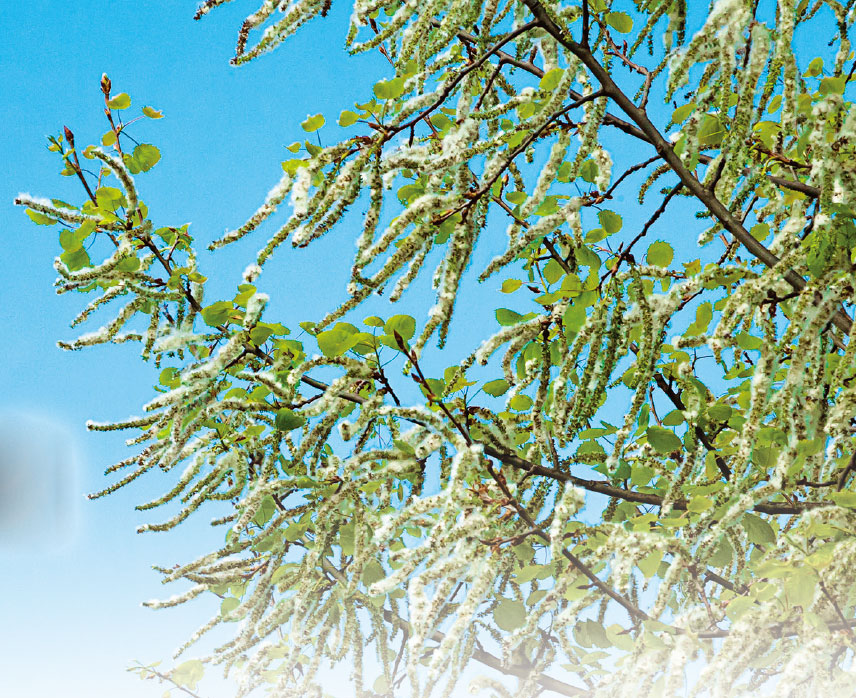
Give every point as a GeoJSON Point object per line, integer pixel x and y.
{"type": "Point", "coordinates": [631, 129]}
{"type": "Point", "coordinates": [664, 149]}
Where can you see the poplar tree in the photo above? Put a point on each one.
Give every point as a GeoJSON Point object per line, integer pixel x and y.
{"type": "Point", "coordinates": [646, 466]}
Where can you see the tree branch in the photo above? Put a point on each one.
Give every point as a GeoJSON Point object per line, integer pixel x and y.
{"type": "Point", "coordinates": [635, 613]}
{"type": "Point", "coordinates": [479, 655]}
{"type": "Point", "coordinates": [631, 129]}
{"type": "Point", "coordinates": [664, 149]}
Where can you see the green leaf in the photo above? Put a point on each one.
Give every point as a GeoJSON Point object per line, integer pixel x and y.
{"type": "Point", "coordinates": [291, 166]}
{"type": "Point", "coordinates": [550, 80]}
{"type": "Point", "coordinates": [313, 123]}
{"type": "Point", "coordinates": [673, 418]}
{"type": "Point", "coordinates": [641, 475]}
{"type": "Point", "coordinates": [660, 254]}
{"type": "Point", "coordinates": [372, 572]}
{"type": "Point", "coordinates": [815, 68]}
{"type": "Point", "coordinates": [441, 122]}
{"type": "Point", "coordinates": [723, 554]}
{"type": "Point", "coordinates": [120, 101]}
{"type": "Point", "coordinates": [509, 615]}
{"type": "Point", "coordinates": [348, 118]}
{"type": "Point", "coordinates": [832, 86]}
{"type": "Point", "coordinates": [844, 499]}
{"type": "Point", "coordinates": [188, 674]}
{"type": "Point", "coordinates": [681, 113]}
{"type": "Point", "coordinates": [553, 272]}
{"type": "Point", "coordinates": [586, 257]}
{"type": "Point", "coordinates": [336, 341]}
{"type": "Point", "coordinates": [511, 285]}
{"type": "Point", "coordinates": [152, 113]}
{"type": "Point", "coordinates": [132, 165]}
{"type": "Point", "coordinates": [620, 21]}
{"type": "Point", "coordinates": [719, 412]}
{"type": "Point", "coordinates": [266, 510]}
{"type": "Point", "coordinates": [497, 387]}
{"type": "Point", "coordinates": [699, 504]}
{"type": "Point", "coordinates": [800, 586]}
{"type": "Point", "coordinates": [146, 156]}
{"type": "Point", "coordinates": [760, 231]}
{"type": "Point", "coordinates": [737, 607]}
{"type": "Point", "coordinates": [108, 138]}
{"type": "Point", "coordinates": [595, 235]}
{"type": "Point", "coordinates": [650, 563]}
{"type": "Point", "coordinates": [288, 420]}
{"type": "Point", "coordinates": [589, 171]}
{"type": "Point", "coordinates": [217, 313]}
{"type": "Point", "coordinates": [574, 317]}
{"type": "Point", "coordinates": [610, 221]}
{"type": "Point", "coordinates": [704, 314]}
{"type": "Point", "coordinates": [506, 317]}
{"type": "Point", "coordinates": [520, 403]}
{"type": "Point", "coordinates": [229, 604]}
{"type": "Point", "coordinates": [76, 259]}
{"type": "Point", "coordinates": [346, 538]}
{"type": "Point", "coordinates": [403, 446]}
{"type": "Point", "coordinates": [109, 198]}
{"type": "Point", "coordinates": [169, 377]}
{"type": "Point", "coordinates": [129, 264]}
{"type": "Point", "coordinates": [593, 633]}
{"type": "Point", "coordinates": [710, 131]}
{"type": "Point", "coordinates": [663, 440]}
{"type": "Point", "coordinates": [405, 325]}
{"type": "Point", "coordinates": [758, 530]}
{"type": "Point", "coordinates": [410, 192]}
{"type": "Point", "coordinates": [389, 89]}
{"type": "Point", "coordinates": [40, 218]}
{"type": "Point", "coordinates": [749, 342]}
{"type": "Point", "coordinates": [775, 104]}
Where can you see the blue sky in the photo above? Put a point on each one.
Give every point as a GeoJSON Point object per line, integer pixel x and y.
{"type": "Point", "coordinates": [71, 618]}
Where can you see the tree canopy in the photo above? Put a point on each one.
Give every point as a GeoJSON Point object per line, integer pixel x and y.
{"type": "Point", "coordinates": [640, 483]}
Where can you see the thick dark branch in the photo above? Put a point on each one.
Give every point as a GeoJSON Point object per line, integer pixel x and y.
{"type": "Point", "coordinates": [700, 435]}
{"type": "Point", "coordinates": [475, 65]}
{"type": "Point", "coordinates": [631, 129]}
{"type": "Point", "coordinates": [635, 612]}
{"type": "Point", "coordinates": [599, 486]}
{"type": "Point", "coordinates": [779, 630]}
{"type": "Point", "coordinates": [664, 149]}
{"type": "Point", "coordinates": [661, 209]}
{"type": "Point", "coordinates": [586, 18]}
{"type": "Point", "coordinates": [474, 196]}
{"type": "Point", "coordinates": [479, 655]}
{"type": "Point", "coordinates": [603, 487]}
{"type": "Point", "coordinates": [851, 467]}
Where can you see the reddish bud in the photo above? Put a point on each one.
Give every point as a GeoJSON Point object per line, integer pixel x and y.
{"type": "Point", "coordinates": [69, 136]}
{"type": "Point", "coordinates": [105, 84]}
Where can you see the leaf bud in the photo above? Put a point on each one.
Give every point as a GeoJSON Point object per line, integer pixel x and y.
{"type": "Point", "coordinates": [105, 84]}
{"type": "Point", "coordinates": [69, 136]}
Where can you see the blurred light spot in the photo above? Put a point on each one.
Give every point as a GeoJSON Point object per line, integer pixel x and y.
{"type": "Point", "coordinates": [38, 483]}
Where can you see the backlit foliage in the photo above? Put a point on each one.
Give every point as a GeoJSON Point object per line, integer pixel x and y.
{"type": "Point", "coordinates": [649, 464]}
